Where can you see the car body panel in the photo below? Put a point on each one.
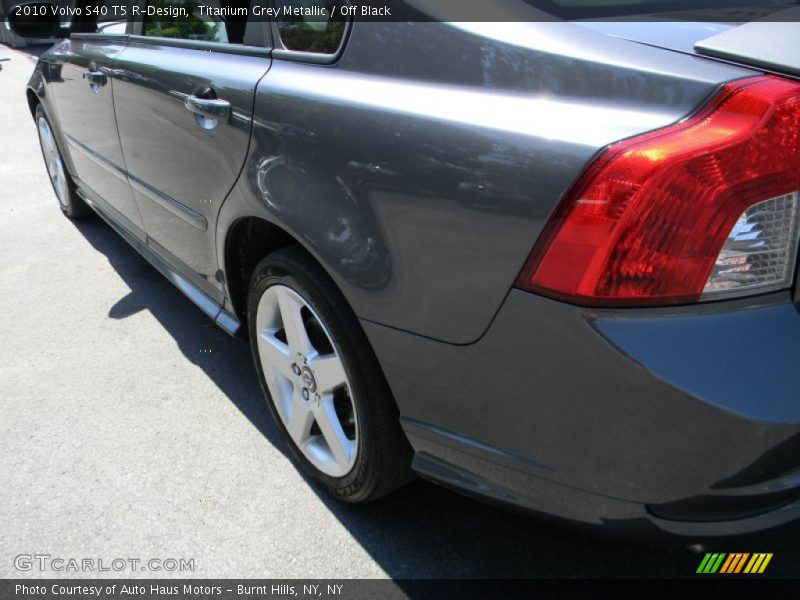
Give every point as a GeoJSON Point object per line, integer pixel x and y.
{"type": "Point", "coordinates": [87, 121]}
{"type": "Point", "coordinates": [611, 402]}
{"type": "Point", "coordinates": [680, 36]}
{"type": "Point", "coordinates": [420, 182]}
{"type": "Point", "coordinates": [771, 45]}
{"type": "Point", "coordinates": [181, 173]}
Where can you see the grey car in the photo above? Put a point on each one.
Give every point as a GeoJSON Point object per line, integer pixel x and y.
{"type": "Point", "coordinates": [549, 262]}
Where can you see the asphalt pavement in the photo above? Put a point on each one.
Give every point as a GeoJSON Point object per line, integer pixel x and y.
{"type": "Point", "coordinates": [132, 427]}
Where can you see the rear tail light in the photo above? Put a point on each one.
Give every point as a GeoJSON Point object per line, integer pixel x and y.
{"type": "Point", "coordinates": [703, 209]}
{"type": "Point", "coordinates": [759, 251]}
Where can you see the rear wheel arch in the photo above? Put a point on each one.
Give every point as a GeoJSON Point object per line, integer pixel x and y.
{"type": "Point", "coordinates": [247, 242]}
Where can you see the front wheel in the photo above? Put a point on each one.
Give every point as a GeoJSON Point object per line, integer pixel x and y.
{"type": "Point", "coordinates": [63, 186]}
{"type": "Point", "coordinates": [323, 384]}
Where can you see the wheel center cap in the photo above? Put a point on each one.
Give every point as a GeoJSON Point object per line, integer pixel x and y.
{"type": "Point", "coordinates": [307, 375]}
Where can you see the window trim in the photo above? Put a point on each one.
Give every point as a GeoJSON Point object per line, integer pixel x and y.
{"type": "Point", "coordinates": [222, 47]}
{"type": "Point", "coordinates": [281, 52]}
{"type": "Point", "coordinates": [100, 37]}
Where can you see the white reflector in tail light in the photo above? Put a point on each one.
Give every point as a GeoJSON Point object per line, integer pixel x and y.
{"type": "Point", "coordinates": [760, 251]}
{"type": "Point", "coordinates": [703, 209]}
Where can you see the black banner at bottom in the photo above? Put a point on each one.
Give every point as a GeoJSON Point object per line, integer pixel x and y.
{"type": "Point", "coordinates": [346, 589]}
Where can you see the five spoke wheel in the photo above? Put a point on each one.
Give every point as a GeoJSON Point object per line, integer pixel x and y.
{"type": "Point", "coordinates": [68, 200]}
{"type": "Point", "coordinates": [307, 380]}
{"type": "Point", "coordinates": [52, 158]}
{"type": "Point", "coordinates": [323, 384]}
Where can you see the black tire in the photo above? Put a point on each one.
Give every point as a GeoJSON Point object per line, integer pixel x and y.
{"type": "Point", "coordinates": [70, 204]}
{"type": "Point", "coordinates": [384, 455]}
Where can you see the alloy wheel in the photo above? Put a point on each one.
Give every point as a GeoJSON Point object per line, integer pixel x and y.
{"type": "Point", "coordinates": [54, 162]}
{"type": "Point", "coordinates": [307, 380]}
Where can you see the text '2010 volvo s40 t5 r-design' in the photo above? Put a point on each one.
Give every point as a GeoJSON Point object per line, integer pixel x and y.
{"type": "Point", "coordinates": [549, 262]}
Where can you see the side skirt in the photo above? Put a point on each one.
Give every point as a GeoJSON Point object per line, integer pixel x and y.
{"type": "Point", "coordinates": [228, 321]}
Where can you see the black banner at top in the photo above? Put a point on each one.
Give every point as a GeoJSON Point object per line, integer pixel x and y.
{"type": "Point", "coordinates": [311, 11]}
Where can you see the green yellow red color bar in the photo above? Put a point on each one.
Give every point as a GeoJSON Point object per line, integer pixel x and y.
{"type": "Point", "coordinates": [734, 562]}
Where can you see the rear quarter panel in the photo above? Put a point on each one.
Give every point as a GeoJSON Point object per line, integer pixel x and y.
{"type": "Point", "coordinates": [421, 167]}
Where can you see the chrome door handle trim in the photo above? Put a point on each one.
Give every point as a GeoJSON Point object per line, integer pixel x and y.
{"type": "Point", "coordinates": [96, 77]}
{"type": "Point", "coordinates": [212, 108]}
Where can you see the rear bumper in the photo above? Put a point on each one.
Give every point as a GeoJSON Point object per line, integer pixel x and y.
{"type": "Point", "coordinates": [680, 422]}
{"type": "Point", "coordinates": [458, 466]}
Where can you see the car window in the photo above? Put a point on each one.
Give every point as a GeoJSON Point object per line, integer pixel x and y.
{"type": "Point", "coordinates": [112, 27]}
{"type": "Point", "coordinates": [198, 20]}
{"type": "Point", "coordinates": [310, 25]}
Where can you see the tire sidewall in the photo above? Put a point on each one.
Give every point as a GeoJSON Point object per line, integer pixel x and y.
{"type": "Point", "coordinates": [274, 271]}
{"type": "Point", "coordinates": [72, 209]}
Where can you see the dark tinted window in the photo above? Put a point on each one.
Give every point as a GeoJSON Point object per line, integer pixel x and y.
{"type": "Point", "coordinates": [198, 20]}
{"type": "Point", "coordinates": [310, 25]}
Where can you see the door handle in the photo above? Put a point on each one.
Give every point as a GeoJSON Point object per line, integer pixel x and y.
{"type": "Point", "coordinates": [212, 108]}
{"type": "Point", "coordinates": [95, 78]}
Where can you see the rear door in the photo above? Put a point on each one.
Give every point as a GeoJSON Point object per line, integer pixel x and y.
{"type": "Point", "coordinates": [81, 82]}
{"type": "Point", "coordinates": [184, 90]}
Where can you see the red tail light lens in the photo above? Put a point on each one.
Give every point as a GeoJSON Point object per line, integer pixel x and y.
{"type": "Point", "coordinates": [649, 219]}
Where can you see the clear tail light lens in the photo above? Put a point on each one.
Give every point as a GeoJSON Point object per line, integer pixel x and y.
{"type": "Point", "coordinates": [760, 251]}
{"type": "Point", "coordinates": [703, 209]}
